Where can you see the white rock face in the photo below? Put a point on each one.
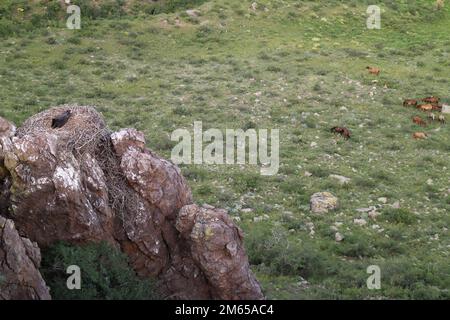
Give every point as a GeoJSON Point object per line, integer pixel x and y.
{"type": "Point", "coordinates": [68, 177]}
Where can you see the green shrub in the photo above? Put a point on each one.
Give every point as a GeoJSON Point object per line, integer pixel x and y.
{"type": "Point", "coordinates": [247, 182]}
{"type": "Point", "coordinates": [356, 245]}
{"type": "Point", "coordinates": [283, 256]}
{"type": "Point", "coordinates": [403, 216]}
{"type": "Point", "coordinates": [105, 273]}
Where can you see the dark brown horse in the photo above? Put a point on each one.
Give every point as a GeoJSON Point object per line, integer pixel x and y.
{"type": "Point", "coordinates": [342, 131]}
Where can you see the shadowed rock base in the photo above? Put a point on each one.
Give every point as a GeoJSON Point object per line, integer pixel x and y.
{"type": "Point", "coordinates": [19, 268]}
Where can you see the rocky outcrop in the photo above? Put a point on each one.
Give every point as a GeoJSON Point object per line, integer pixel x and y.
{"type": "Point", "coordinates": [19, 266]}
{"type": "Point", "coordinates": [7, 131]}
{"type": "Point", "coordinates": [58, 190]}
{"type": "Point", "coordinates": [82, 183]}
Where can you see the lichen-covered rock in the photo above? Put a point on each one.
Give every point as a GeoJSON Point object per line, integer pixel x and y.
{"type": "Point", "coordinates": [322, 202]}
{"type": "Point", "coordinates": [57, 193]}
{"type": "Point", "coordinates": [7, 131]}
{"type": "Point", "coordinates": [19, 268]}
{"type": "Point", "coordinates": [216, 246]}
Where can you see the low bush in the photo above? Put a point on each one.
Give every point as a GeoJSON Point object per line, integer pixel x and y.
{"type": "Point", "coordinates": [105, 274]}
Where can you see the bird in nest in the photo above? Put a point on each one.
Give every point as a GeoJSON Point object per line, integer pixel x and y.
{"type": "Point", "coordinates": [61, 120]}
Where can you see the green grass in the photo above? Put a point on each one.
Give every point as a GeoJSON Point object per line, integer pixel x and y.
{"type": "Point", "coordinates": [292, 67]}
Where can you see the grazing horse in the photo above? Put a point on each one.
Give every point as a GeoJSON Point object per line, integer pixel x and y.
{"type": "Point", "coordinates": [410, 103]}
{"type": "Point", "coordinates": [419, 135]}
{"type": "Point", "coordinates": [425, 107]}
{"type": "Point", "coordinates": [419, 121]}
{"type": "Point", "coordinates": [437, 107]}
{"type": "Point", "coordinates": [342, 131]}
{"type": "Point", "coordinates": [433, 100]}
{"type": "Point", "coordinates": [432, 116]}
{"type": "Point", "coordinates": [373, 70]}
{"type": "Point", "coordinates": [442, 119]}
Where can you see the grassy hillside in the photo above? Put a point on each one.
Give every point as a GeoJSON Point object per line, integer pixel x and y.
{"type": "Point", "coordinates": [294, 65]}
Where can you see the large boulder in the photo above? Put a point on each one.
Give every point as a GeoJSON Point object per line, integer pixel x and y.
{"type": "Point", "coordinates": [322, 202]}
{"type": "Point", "coordinates": [19, 268]}
{"type": "Point", "coordinates": [215, 243]}
{"type": "Point", "coordinates": [82, 183]}
{"type": "Point", "coordinates": [58, 189]}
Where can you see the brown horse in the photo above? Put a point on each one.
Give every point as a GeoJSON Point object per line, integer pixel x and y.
{"type": "Point", "coordinates": [342, 131]}
{"type": "Point", "coordinates": [373, 70]}
{"type": "Point", "coordinates": [410, 103]}
{"type": "Point", "coordinates": [420, 135]}
{"type": "Point", "coordinates": [419, 121]}
{"type": "Point", "coordinates": [425, 107]}
{"type": "Point", "coordinates": [433, 100]}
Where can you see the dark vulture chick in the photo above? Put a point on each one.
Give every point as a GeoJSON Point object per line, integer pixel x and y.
{"type": "Point", "coordinates": [61, 120]}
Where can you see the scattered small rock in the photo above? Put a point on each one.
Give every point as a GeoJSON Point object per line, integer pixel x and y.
{"type": "Point", "coordinates": [261, 218]}
{"type": "Point", "coordinates": [193, 13]}
{"type": "Point", "coordinates": [258, 219]}
{"type": "Point", "coordinates": [322, 202]}
{"type": "Point", "coordinates": [338, 237]}
{"type": "Point", "coordinates": [309, 225]}
{"type": "Point", "coordinates": [396, 205]}
{"type": "Point", "coordinates": [237, 219]}
{"type": "Point", "coordinates": [302, 283]}
{"type": "Point", "coordinates": [340, 179]}
{"type": "Point", "coordinates": [364, 210]}
{"type": "Point", "coordinates": [360, 222]}
{"type": "Point", "coordinates": [383, 200]}
{"type": "Point", "coordinates": [374, 214]}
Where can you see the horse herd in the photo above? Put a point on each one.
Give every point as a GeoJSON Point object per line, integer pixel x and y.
{"type": "Point", "coordinates": [428, 104]}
